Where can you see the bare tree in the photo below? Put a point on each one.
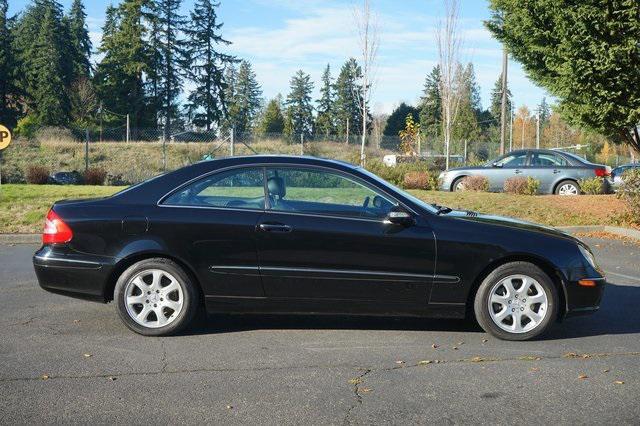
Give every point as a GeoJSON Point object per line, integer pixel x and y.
{"type": "Point", "coordinates": [368, 41]}
{"type": "Point", "coordinates": [449, 41]}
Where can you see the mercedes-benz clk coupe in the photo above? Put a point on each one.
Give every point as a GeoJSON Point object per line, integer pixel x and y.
{"type": "Point", "coordinates": [278, 234]}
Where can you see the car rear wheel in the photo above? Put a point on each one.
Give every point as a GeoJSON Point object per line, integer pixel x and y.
{"type": "Point", "coordinates": [155, 297]}
{"type": "Point", "coordinates": [517, 301]}
{"type": "Point", "coordinates": [567, 187]}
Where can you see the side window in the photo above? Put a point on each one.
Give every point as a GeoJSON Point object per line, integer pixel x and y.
{"type": "Point", "coordinates": [543, 159]}
{"type": "Point", "coordinates": [238, 189]}
{"type": "Point", "coordinates": [309, 190]}
{"type": "Point", "coordinates": [513, 160]}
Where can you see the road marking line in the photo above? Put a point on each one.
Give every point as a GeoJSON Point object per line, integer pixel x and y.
{"type": "Point", "coordinates": [629, 277]}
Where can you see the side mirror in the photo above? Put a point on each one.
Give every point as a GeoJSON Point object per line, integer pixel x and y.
{"type": "Point", "coordinates": [398, 216]}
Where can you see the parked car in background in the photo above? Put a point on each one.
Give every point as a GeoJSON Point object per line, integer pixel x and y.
{"type": "Point", "coordinates": [558, 172]}
{"type": "Point", "coordinates": [616, 174]}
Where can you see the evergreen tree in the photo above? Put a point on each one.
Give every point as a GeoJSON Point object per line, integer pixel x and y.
{"type": "Point", "coordinates": [8, 89]}
{"type": "Point", "coordinates": [119, 76]}
{"type": "Point", "coordinates": [398, 118]}
{"type": "Point", "coordinates": [243, 94]}
{"type": "Point", "coordinates": [207, 64]}
{"type": "Point", "coordinates": [496, 101]}
{"type": "Point", "coordinates": [466, 125]}
{"type": "Point", "coordinates": [172, 50]}
{"type": "Point", "coordinates": [325, 122]}
{"type": "Point", "coordinates": [80, 42]}
{"type": "Point", "coordinates": [348, 95]}
{"type": "Point", "coordinates": [299, 103]}
{"type": "Point", "coordinates": [272, 120]}
{"type": "Point", "coordinates": [431, 105]}
{"type": "Point", "coordinates": [544, 110]}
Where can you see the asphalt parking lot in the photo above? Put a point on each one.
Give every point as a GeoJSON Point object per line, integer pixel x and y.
{"type": "Point", "coordinates": [65, 360]}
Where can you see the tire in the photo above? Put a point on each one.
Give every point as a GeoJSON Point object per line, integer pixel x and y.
{"type": "Point", "coordinates": [456, 183]}
{"type": "Point", "coordinates": [171, 300]}
{"type": "Point", "coordinates": [567, 187]}
{"type": "Point", "coordinates": [534, 319]}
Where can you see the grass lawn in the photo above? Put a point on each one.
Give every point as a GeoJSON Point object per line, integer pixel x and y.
{"type": "Point", "coordinates": [23, 207]}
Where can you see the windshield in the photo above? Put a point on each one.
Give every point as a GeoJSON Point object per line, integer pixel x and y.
{"type": "Point", "coordinates": [429, 207]}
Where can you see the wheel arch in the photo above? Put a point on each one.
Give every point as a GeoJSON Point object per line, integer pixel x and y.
{"type": "Point", "coordinates": [126, 262]}
{"type": "Point", "coordinates": [455, 180]}
{"type": "Point", "coordinates": [551, 270]}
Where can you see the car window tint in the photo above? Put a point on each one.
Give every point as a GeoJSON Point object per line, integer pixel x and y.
{"type": "Point", "coordinates": [308, 190]}
{"type": "Point", "coordinates": [513, 160]}
{"type": "Point", "coordinates": [238, 189]}
{"type": "Point", "coordinates": [545, 159]}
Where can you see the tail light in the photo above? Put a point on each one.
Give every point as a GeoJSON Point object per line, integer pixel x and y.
{"type": "Point", "coordinates": [602, 172]}
{"type": "Point", "coordinates": [55, 230]}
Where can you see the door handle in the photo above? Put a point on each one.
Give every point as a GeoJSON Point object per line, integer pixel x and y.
{"type": "Point", "coordinates": [274, 227]}
{"type": "Point", "coordinates": [556, 171]}
{"type": "Point", "coordinates": [518, 172]}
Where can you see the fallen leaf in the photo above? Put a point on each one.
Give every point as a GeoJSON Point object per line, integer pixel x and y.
{"type": "Point", "coordinates": [529, 358]}
{"type": "Point", "coordinates": [76, 321]}
{"type": "Point", "coordinates": [460, 343]}
{"type": "Point", "coordinates": [534, 369]}
{"type": "Point", "coordinates": [424, 362]}
{"type": "Point", "coordinates": [366, 390]}
{"type": "Point", "coordinates": [44, 377]}
{"type": "Point", "coordinates": [570, 355]}
{"type": "Point", "coordinates": [355, 381]}
{"type": "Point", "coordinates": [434, 346]}
{"type": "Point", "coordinates": [229, 407]}
{"type": "Point", "coordinates": [399, 362]}
{"type": "Point", "coordinates": [484, 340]}
{"type": "Point", "coordinates": [619, 382]}
{"type": "Point", "coordinates": [477, 359]}
{"type": "Point", "coordinates": [583, 376]}
{"type": "Point", "coordinates": [606, 370]}
{"type": "Point", "coordinates": [87, 355]}
{"type": "Point", "coordinates": [111, 378]}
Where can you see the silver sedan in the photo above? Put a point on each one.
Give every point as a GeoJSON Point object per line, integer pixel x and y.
{"type": "Point", "coordinates": [558, 172]}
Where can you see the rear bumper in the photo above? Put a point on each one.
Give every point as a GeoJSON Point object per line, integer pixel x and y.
{"type": "Point", "coordinates": [64, 271]}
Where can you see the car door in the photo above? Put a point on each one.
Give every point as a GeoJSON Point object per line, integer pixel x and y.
{"type": "Point", "coordinates": [548, 168]}
{"type": "Point", "coordinates": [324, 237]}
{"type": "Point", "coordinates": [506, 167]}
{"type": "Point", "coordinates": [212, 222]}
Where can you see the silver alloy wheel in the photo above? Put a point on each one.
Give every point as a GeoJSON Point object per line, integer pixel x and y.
{"type": "Point", "coordinates": [153, 298]}
{"type": "Point", "coordinates": [568, 189]}
{"type": "Point", "coordinates": [459, 186]}
{"type": "Point", "coordinates": [517, 304]}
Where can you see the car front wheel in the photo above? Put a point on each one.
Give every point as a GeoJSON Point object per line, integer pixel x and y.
{"type": "Point", "coordinates": [155, 297]}
{"type": "Point", "coordinates": [517, 301]}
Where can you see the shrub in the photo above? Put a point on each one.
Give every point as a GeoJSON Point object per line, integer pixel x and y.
{"type": "Point", "coordinates": [592, 186]}
{"type": "Point", "coordinates": [521, 186]}
{"type": "Point", "coordinates": [27, 127]}
{"type": "Point", "coordinates": [38, 175]}
{"type": "Point", "coordinates": [630, 192]}
{"type": "Point", "coordinates": [476, 183]}
{"type": "Point", "coordinates": [420, 180]}
{"type": "Point", "coordinates": [94, 176]}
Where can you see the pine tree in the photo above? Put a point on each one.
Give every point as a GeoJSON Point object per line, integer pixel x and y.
{"type": "Point", "coordinates": [544, 110]}
{"type": "Point", "coordinates": [119, 76]}
{"type": "Point", "coordinates": [466, 124]}
{"type": "Point", "coordinates": [172, 50]}
{"type": "Point", "coordinates": [325, 122]}
{"type": "Point", "coordinates": [398, 118]}
{"type": "Point", "coordinates": [49, 93]}
{"type": "Point", "coordinates": [348, 94]}
{"type": "Point", "coordinates": [299, 103]}
{"type": "Point", "coordinates": [207, 63]}
{"type": "Point", "coordinates": [431, 105]}
{"type": "Point", "coordinates": [80, 42]}
{"type": "Point", "coordinates": [244, 95]}
{"type": "Point", "coordinates": [272, 120]}
{"type": "Point", "coordinates": [8, 89]}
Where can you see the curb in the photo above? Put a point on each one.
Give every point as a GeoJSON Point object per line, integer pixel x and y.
{"type": "Point", "coordinates": [616, 230]}
{"type": "Point", "coordinates": [20, 238]}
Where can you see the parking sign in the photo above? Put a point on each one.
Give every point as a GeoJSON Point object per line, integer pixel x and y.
{"type": "Point", "coordinates": [5, 137]}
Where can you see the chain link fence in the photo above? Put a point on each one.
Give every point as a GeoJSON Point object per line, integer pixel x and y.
{"type": "Point", "coordinates": [130, 156]}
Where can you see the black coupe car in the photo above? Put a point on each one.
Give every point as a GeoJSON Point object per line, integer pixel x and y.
{"type": "Point", "coordinates": [304, 235]}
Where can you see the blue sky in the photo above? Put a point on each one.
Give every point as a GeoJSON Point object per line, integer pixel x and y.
{"type": "Point", "coordinates": [282, 36]}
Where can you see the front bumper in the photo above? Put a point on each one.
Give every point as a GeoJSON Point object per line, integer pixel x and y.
{"type": "Point", "coordinates": [582, 300]}
{"type": "Point", "coordinates": [64, 271]}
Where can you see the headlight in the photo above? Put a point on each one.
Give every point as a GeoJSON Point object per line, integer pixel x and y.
{"type": "Point", "coordinates": [588, 256]}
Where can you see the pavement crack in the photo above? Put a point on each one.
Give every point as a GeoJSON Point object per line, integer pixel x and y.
{"type": "Point", "coordinates": [164, 361]}
{"type": "Point", "coordinates": [356, 382]}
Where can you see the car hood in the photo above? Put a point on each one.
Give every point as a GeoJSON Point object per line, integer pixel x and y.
{"type": "Point", "coordinates": [510, 222]}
